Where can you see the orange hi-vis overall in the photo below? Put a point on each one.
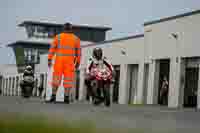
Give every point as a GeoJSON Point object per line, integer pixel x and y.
{"type": "Point", "coordinates": [66, 47]}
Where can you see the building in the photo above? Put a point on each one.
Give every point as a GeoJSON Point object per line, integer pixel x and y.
{"type": "Point", "coordinates": [169, 47]}
{"type": "Point", "coordinates": [8, 61]}
{"type": "Point", "coordinates": [39, 37]}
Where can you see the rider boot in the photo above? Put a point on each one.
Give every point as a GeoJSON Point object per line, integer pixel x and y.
{"type": "Point", "coordinates": [98, 99]}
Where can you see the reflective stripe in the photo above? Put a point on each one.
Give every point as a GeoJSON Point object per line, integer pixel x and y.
{"type": "Point", "coordinates": [68, 83]}
{"type": "Point", "coordinates": [76, 50]}
{"type": "Point", "coordinates": [68, 47]}
{"type": "Point", "coordinates": [52, 53]}
{"type": "Point", "coordinates": [56, 83]}
{"type": "Point", "coordinates": [57, 76]}
{"type": "Point", "coordinates": [67, 78]}
{"type": "Point", "coordinates": [65, 47]}
{"type": "Point", "coordinates": [57, 80]}
{"type": "Point", "coordinates": [61, 54]}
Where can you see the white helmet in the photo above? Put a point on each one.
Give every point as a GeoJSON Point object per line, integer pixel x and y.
{"type": "Point", "coordinates": [29, 67]}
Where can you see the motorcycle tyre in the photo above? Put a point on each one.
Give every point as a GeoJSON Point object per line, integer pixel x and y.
{"type": "Point", "coordinates": [106, 92]}
{"type": "Point", "coordinates": [27, 93]}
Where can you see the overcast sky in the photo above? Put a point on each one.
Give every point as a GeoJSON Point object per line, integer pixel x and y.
{"type": "Point", "coordinates": [125, 17]}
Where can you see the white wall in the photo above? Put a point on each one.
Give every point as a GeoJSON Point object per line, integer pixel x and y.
{"type": "Point", "coordinates": [8, 69]}
{"type": "Point", "coordinates": [43, 66]}
{"type": "Point", "coordinates": [134, 51]}
{"type": "Point", "coordinates": [160, 43]}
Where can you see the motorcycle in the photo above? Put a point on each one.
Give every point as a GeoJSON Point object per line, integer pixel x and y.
{"type": "Point", "coordinates": [102, 80]}
{"type": "Point", "coordinates": [27, 86]}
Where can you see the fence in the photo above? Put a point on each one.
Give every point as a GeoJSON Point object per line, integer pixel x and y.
{"type": "Point", "coordinates": [10, 85]}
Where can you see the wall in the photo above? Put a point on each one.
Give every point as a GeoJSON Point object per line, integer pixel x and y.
{"type": "Point", "coordinates": [8, 69]}
{"type": "Point", "coordinates": [43, 66]}
{"type": "Point", "coordinates": [160, 43]}
{"type": "Point", "coordinates": [134, 49]}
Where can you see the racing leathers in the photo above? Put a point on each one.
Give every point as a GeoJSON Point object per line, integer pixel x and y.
{"type": "Point", "coordinates": [28, 78]}
{"type": "Point", "coordinates": [88, 80]}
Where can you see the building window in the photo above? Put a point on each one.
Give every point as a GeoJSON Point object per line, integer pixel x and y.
{"type": "Point", "coordinates": [40, 29]}
{"type": "Point", "coordinates": [51, 32]}
{"type": "Point", "coordinates": [31, 55]}
{"type": "Point", "coordinates": [30, 31]}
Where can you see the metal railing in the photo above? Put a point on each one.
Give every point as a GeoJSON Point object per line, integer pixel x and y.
{"type": "Point", "coordinates": [10, 84]}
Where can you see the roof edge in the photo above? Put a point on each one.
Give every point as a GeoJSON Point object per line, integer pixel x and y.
{"type": "Point", "coordinates": [20, 41]}
{"type": "Point", "coordinates": [172, 17]}
{"type": "Point", "coordinates": [60, 25]}
{"type": "Point", "coordinates": [114, 40]}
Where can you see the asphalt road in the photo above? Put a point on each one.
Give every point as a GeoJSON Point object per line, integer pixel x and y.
{"type": "Point", "coordinates": [152, 118]}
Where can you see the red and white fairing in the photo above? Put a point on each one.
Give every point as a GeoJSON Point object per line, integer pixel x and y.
{"type": "Point", "coordinates": [100, 71]}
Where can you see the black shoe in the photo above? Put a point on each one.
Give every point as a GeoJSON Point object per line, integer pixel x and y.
{"type": "Point", "coordinates": [66, 99]}
{"type": "Point", "coordinates": [53, 99]}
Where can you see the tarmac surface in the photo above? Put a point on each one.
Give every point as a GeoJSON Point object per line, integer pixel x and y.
{"type": "Point", "coordinates": [151, 118]}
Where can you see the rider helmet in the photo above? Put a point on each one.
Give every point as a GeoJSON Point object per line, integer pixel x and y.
{"type": "Point", "coordinates": [29, 68]}
{"type": "Point", "coordinates": [97, 53]}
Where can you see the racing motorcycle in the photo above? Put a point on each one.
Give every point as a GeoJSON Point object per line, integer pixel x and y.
{"type": "Point", "coordinates": [102, 80]}
{"type": "Point", "coordinates": [27, 86]}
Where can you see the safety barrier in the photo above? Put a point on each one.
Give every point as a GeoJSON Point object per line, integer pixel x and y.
{"type": "Point", "coordinates": [10, 84]}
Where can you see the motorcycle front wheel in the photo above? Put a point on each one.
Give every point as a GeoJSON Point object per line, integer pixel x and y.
{"type": "Point", "coordinates": [106, 92]}
{"type": "Point", "coordinates": [27, 92]}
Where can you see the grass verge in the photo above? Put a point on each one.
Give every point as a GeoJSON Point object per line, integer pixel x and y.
{"type": "Point", "coordinates": [17, 123]}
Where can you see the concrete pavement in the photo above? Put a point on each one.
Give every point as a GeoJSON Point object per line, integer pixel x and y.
{"type": "Point", "coordinates": [153, 118]}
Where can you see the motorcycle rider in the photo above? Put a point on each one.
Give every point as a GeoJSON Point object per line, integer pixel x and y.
{"type": "Point", "coordinates": [28, 72]}
{"type": "Point", "coordinates": [97, 57]}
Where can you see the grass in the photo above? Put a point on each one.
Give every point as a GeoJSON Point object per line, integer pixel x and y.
{"type": "Point", "coordinates": [17, 123]}
{"type": "Point", "coordinates": [31, 124]}
{"type": "Point", "coordinates": [136, 104]}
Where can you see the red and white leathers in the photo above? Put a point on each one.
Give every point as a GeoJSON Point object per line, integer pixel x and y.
{"type": "Point", "coordinates": [92, 62]}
